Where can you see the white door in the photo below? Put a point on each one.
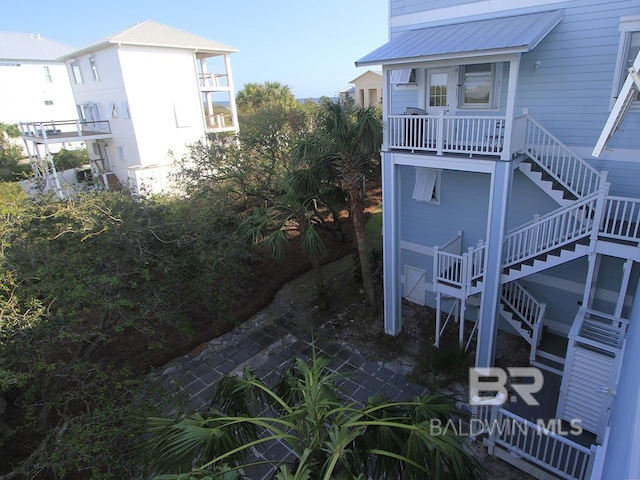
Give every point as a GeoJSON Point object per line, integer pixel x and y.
{"type": "Point", "coordinates": [441, 90]}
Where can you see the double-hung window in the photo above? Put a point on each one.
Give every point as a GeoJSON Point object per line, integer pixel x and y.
{"type": "Point", "coordinates": [47, 74]}
{"type": "Point", "coordinates": [77, 73]}
{"type": "Point", "coordinates": [94, 69]}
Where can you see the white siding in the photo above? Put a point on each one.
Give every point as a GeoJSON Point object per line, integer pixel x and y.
{"type": "Point", "coordinates": [24, 90]}
{"type": "Point", "coordinates": [156, 80]}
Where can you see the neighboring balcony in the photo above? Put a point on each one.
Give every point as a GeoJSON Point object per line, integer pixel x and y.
{"type": "Point", "coordinates": [65, 131]}
{"type": "Point", "coordinates": [453, 134]}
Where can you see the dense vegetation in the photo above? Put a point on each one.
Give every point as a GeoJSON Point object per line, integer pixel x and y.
{"type": "Point", "coordinates": [95, 289]}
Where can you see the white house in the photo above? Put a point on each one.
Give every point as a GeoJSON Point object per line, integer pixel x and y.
{"type": "Point", "coordinates": [142, 96]}
{"type": "Point", "coordinates": [34, 85]}
{"type": "Point", "coordinates": [511, 199]}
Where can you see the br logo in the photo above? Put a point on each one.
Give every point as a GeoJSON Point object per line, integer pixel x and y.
{"type": "Point", "coordinates": [488, 386]}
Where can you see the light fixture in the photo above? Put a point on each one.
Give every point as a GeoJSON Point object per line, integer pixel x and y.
{"type": "Point", "coordinates": [536, 65]}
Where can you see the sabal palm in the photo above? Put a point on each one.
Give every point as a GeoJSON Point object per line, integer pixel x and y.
{"type": "Point", "coordinates": [327, 438]}
{"type": "Point", "coordinates": [292, 210]}
{"type": "Point", "coordinates": [346, 140]}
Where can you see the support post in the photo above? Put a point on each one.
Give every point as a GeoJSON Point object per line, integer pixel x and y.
{"type": "Point", "coordinates": [501, 181]}
{"type": "Point", "coordinates": [391, 245]}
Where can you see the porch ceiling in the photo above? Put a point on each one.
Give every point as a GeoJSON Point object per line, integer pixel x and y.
{"type": "Point", "coordinates": [493, 36]}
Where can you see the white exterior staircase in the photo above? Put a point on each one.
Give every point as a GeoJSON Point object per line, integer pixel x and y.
{"type": "Point", "coordinates": [587, 215]}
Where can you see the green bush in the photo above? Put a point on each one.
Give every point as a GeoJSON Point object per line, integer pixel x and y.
{"type": "Point", "coordinates": [67, 159]}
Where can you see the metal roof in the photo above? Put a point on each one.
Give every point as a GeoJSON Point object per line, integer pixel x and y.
{"type": "Point", "coordinates": [153, 34]}
{"type": "Point", "coordinates": [17, 46]}
{"type": "Point", "coordinates": [514, 34]}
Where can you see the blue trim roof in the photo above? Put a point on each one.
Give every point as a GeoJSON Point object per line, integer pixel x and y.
{"type": "Point", "coordinates": [514, 34]}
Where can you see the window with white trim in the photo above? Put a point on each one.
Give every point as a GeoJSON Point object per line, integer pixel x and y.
{"type": "Point", "coordinates": [477, 82]}
{"type": "Point", "coordinates": [627, 53]}
{"type": "Point", "coordinates": [121, 153]}
{"type": "Point", "coordinates": [47, 74]}
{"type": "Point", "coordinates": [94, 69]}
{"type": "Point", "coordinates": [77, 74]}
{"type": "Point", "coordinates": [427, 186]}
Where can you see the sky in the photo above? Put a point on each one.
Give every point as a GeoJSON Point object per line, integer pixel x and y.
{"type": "Point", "coordinates": [309, 45]}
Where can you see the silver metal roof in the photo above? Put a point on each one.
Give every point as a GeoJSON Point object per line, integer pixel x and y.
{"type": "Point", "coordinates": [153, 34]}
{"type": "Point", "coordinates": [514, 34]}
{"type": "Point", "coordinates": [17, 46]}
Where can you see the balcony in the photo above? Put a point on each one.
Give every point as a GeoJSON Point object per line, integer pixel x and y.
{"type": "Point", "coordinates": [449, 134]}
{"type": "Point", "coordinates": [65, 131]}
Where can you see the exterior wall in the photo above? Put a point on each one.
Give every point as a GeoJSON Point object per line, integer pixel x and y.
{"type": "Point", "coordinates": [368, 89]}
{"type": "Point", "coordinates": [24, 90]}
{"type": "Point", "coordinates": [164, 101]}
{"type": "Point", "coordinates": [571, 91]}
{"type": "Point", "coordinates": [108, 92]}
{"type": "Point", "coordinates": [150, 97]}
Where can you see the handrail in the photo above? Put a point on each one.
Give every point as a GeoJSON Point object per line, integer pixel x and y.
{"type": "Point", "coordinates": [551, 231]}
{"type": "Point", "coordinates": [459, 270]}
{"type": "Point", "coordinates": [621, 218]}
{"type": "Point", "coordinates": [522, 303]}
{"type": "Point", "coordinates": [454, 245]}
{"type": "Point", "coordinates": [559, 161]}
{"type": "Point", "coordinates": [537, 444]}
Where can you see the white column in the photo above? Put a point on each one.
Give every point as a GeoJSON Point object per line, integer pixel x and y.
{"type": "Point", "coordinates": [501, 181]}
{"type": "Point", "coordinates": [391, 245]}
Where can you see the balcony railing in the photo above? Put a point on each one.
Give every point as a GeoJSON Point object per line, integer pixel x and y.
{"type": "Point", "coordinates": [482, 135]}
{"type": "Point", "coordinates": [64, 128]}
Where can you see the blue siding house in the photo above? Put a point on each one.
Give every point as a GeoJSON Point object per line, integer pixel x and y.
{"type": "Point", "coordinates": [511, 199]}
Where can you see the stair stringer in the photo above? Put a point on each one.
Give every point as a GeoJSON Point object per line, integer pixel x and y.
{"type": "Point", "coordinates": [567, 253]}
{"type": "Point", "coordinates": [545, 185]}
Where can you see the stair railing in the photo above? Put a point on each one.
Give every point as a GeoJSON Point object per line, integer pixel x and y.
{"type": "Point", "coordinates": [527, 309]}
{"type": "Point", "coordinates": [459, 270]}
{"type": "Point", "coordinates": [551, 231]}
{"type": "Point", "coordinates": [559, 161]}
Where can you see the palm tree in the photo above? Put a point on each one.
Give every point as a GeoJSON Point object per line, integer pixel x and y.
{"type": "Point", "coordinates": [326, 438]}
{"type": "Point", "coordinates": [294, 209]}
{"type": "Point", "coordinates": [342, 147]}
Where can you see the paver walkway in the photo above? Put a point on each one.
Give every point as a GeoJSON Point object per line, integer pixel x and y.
{"type": "Point", "coordinates": [266, 345]}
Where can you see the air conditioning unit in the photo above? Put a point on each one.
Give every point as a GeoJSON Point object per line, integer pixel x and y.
{"type": "Point", "coordinates": [414, 111]}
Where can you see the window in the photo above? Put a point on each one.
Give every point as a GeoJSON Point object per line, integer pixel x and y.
{"type": "Point", "coordinates": [477, 82]}
{"type": "Point", "coordinates": [403, 77]}
{"type": "Point", "coordinates": [47, 74]}
{"type": "Point", "coordinates": [112, 112]}
{"type": "Point", "coordinates": [627, 53]}
{"type": "Point", "coordinates": [427, 186]}
{"type": "Point", "coordinates": [121, 153]}
{"type": "Point", "coordinates": [94, 69]}
{"type": "Point", "coordinates": [77, 74]}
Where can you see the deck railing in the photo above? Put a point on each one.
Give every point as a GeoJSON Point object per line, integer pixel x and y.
{"type": "Point", "coordinates": [53, 129]}
{"type": "Point", "coordinates": [459, 270]}
{"type": "Point", "coordinates": [621, 219]}
{"type": "Point", "coordinates": [482, 135]}
{"type": "Point", "coordinates": [535, 443]}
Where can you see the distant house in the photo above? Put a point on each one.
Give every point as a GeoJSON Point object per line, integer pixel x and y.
{"type": "Point", "coordinates": [142, 95]}
{"type": "Point", "coordinates": [34, 84]}
{"type": "Point", "coordinates": [365, 90]}
{"type": "Point", "coordinates": [511, 201]}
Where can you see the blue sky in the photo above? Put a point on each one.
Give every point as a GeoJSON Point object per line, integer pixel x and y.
{"type": "Point", "coordinates": [310, 45]}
